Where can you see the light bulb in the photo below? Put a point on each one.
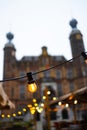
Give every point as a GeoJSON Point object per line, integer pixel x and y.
{"type": "Point", "coordinates": [32, 87]}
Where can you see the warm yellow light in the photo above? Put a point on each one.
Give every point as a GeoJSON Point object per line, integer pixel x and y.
{"type": "Point", "coordinates": [71, 97]}
{"type": "Point", "coordinates": [34, 100]}
{"type": "Point", "coordinates": [32, 87]}
{"type": "Point", "coordinates": [54, 98]}
{"type": "Point", "coordinates": [44, 97]}
{"type": "Point", "coordinates": [42, 104]}
{"type": "Point", "coordinates": [2, 115]}
{"type": "Point", "coordinates": [48, 92]}
{"type": "Point", "coordinates": [19, 112]}
{"type": "Point", "coordinates": [75, 102]}
{"type": "Point", "coordinates": [8, 116]}
{"type": "Point", "coordinates": [29, 105]}
{"type": "Point", "coordinates": [35, 104]}
{"type": "Point", "coordinates": [59, 103]}
{"type": "Point", "coordinates": [24, 109]}
{"type": "Point", "coordinates": [32, 110]}
{"type": "Point", "coordinates": [40, 109]}
{"type": "Point", "coordinates": [14, 114]}
{"type": "Point", "coordinates": [67, 105]}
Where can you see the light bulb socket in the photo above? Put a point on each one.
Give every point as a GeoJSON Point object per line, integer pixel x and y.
{"type": "Point", "coordinates": [30, 78]}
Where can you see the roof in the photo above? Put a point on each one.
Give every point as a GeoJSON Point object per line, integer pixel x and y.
{"type": "Point", "coordinates": [4, 100]}
{"type": "Point", "coordinates": [35, 58]}
{"type": "Point", "coordinates": [80, 95]}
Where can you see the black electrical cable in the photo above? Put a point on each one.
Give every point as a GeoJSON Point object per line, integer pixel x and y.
{"type": "Point", "coordinates": [25, 76]}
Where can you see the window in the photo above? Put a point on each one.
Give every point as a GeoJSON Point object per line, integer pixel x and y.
{"type": "Point", "coordinates": [45, 61]}
{"type": "Point", "coordinates": [60, 92]}
{"type": "Point", "coordinates": [22, 92]}
{"type": "Point", "coordinates": [65, 114]}
{"type": "Point", "coordinates": [84, 115]}
{"type": "Point", "coordinates": [53, 115]}
{"type": "Point", "coordinates": [69, 73]}
{"type": "Point", "coordinates": [71, 86]}
{"type": "Point", "coordinates": [58, 74]}
{"type": "Point", "coordinates": [47, 74]}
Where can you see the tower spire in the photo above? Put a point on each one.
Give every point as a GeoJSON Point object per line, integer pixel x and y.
{"type": "Point", "coordinates": [76, 39]}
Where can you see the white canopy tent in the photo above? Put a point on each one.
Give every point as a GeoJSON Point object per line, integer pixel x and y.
{"type": "Point", "coordinates": [4, 99]}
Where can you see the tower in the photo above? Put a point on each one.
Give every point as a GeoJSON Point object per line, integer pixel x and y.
{"type": "Point", "coordinates": [77, 47]}
{"type": "Point", "coordinates": [9, 56]}
{"type": "Point", "coordinates": [76, 39]}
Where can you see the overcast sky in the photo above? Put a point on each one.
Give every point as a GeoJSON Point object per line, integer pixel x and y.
{"type": "Point", "coordinates": [37, 23]}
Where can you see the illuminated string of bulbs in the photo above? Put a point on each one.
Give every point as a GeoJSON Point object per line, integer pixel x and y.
{"type": "Point", "coordinates": [33, 108]}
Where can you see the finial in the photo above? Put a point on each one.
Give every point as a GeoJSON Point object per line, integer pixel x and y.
{"type": "Point", "coordinates": [10, 36]}
{"type": "Point", "coordinates": [73, 23]}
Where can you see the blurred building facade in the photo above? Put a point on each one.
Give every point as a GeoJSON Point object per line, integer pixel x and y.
{"type": "Point", "coordinates": [62, 80]}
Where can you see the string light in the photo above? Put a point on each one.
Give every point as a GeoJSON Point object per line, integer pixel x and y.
{"type": "Point", "coordinates": [8, 115]}
{"type": "Point", "coordinates": [48, 92]}
{"type": "Point", "coordinates": [24, 109]}
{"type": "Point", "coordinates": [42, 104]}
{"type": "Point", "coordinates": [67, 105]}
{"type": "Point", "coordinates": [19, 113]}
{"type": "Point", "coordinates": [54, 98]}
{"type": "Point", "coordinates": [29, 105]}
{"type": "Point", "coordinates": [14, 114]}
{"type": "Point", "coordinates": [59, 103]}
{"type": "Point", "coordinates": [2, 115]}
{"type": "Point", "coordinates": [34, 100]}
{"type": "Point", "coordinates": [75, 102]}
{"type": "Point", "coordinates": [44, 97]}
{"type": "Point", "coordinates": [32, 87]}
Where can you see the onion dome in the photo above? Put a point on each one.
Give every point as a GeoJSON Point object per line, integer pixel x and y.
{"type": "Point", "coordinates": [9, 36]}
{"type": "Point", "coordinates": [73, 23]}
